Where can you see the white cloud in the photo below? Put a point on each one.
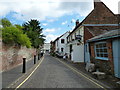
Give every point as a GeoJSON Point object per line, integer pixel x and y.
{"type": "Point", "coordinates": [51, 37]}
{"type": "Point", "coordinates": [73, 20]}
{"type": "Point", "coordinates": [49, 30]}
{"type": "Point", "coordinates": [63, 23]}
{"type": "Point", "coordinates": [36, 9]}
{"type": "Point", "coordinates": [44, 24]}
{"type": "Point", "coordinates": [42, 9]}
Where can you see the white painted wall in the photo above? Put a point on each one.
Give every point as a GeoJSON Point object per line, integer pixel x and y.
{"type": "Point", "coordinates": [63, 45]}
{"type": "Point", "coordinates": [78, 53]}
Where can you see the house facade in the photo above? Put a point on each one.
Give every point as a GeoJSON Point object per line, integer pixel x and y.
{"type": "Point", "coordinates": [104, 52]}
{"type": "Point", "coordinates": [60, 44]}
{"type": "Point", "coordinates": [100, 20]}
{"type": "Point", "coordinates": [75, 44]}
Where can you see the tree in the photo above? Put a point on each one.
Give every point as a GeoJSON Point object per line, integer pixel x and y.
{"type": "Point", "coordinates": [34, 31]}
{"type": "Point", "coordinates": [19, 26]}
{"type": "Point", "coordinates": [12, 35]}
{"type": "Point", "coordinates": [5, 22]}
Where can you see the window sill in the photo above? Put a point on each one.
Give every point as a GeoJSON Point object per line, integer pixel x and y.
{"type": "Point", "coordinates": [101, 58]}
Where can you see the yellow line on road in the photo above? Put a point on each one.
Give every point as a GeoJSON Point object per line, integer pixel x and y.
{"type": "Point", "coordinates": [29, 75]}
{"type": "Point", "coordinates": [81, 74]}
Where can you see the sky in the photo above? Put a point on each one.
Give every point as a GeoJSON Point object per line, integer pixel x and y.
{"type": "Point", "coordinates": [55, 16]}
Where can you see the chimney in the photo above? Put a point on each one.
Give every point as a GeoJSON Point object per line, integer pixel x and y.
{"type": "Point", "coordinates": [77, 22]}
{"type": "Point", "coordinates": [96, 2]}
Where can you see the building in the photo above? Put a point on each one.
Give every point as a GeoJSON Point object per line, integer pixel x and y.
{"type": "Point", "coordinates": [46, 47]}
{"type": "Point", "coordinates": [104, 52]}
{"type": "Point", "coordinates": [60, 44]}
{"type": "Point", "coordinates": [100, 20]}
{"type": "Point", "coordinates": [75, 44]}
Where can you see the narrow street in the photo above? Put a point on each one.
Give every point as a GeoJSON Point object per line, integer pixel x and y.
{"type": "Point", "coordinates": [54, 74]}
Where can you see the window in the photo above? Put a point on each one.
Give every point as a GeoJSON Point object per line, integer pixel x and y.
{"type": "Point", "coordinates": [62, 40]}
{"type": "Point", "coordinates": [101, 51]}
{"type": "Point", "coordinates": [62, 49]}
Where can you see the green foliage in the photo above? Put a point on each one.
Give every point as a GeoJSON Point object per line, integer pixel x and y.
{"type": "Point", "coordinates": [24, 40]}
{"type": "Point", "coordinates": [12, 35]}
{"type": "Point", "coordinates": [34, 31]}
{"type": "Point", "coordinates": [5, 22]}
{"type": "Point", "coordinates": [18, 26]}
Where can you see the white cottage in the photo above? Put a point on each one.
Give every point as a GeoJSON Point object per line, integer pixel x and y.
{"type": "Point", "coordinates": [60, 44]}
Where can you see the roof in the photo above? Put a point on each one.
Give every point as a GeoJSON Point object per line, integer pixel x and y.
{"type": "Point", "coordinates": [61, 36]}
{"type": "Point", "coordinates": [97, 30]}
{"type": "Point", "coordinates": [107, 35]}
{"type": "Point", "coordinates": [109, 18]}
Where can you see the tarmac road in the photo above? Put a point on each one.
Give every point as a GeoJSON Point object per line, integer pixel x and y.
{"type": "Point", "coordinates": [53, 74]}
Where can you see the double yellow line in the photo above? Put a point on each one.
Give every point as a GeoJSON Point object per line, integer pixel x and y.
{"type": "Point", "coordinates": [29, 75]}
{"type": "Point", "coordinates": [81, 74]}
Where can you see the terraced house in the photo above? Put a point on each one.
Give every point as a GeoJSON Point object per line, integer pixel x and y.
{"type": "Point", "coordinates": [100, 20]}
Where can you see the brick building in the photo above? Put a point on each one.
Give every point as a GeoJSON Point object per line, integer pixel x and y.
{"type": "Point", "coordinates": [104, 50]}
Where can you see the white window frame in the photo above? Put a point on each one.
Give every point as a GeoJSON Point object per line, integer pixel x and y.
{"type": "Point", "coordinates": [102, 58]}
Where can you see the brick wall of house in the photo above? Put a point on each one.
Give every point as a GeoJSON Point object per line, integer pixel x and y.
{"type": "Point", "coordinates": [87, 34]}
{"type": "Point", "coordinates": [13, 56]}
{"type": "Point", "coordinates": [101, 15]}
{"type": "Point", "coordinates": [104, 65]}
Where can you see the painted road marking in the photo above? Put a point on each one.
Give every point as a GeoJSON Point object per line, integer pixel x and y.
{"type": "Point", "coordinates": [81, 74]}
{"type": "Point", "coordinates": [29, 75]}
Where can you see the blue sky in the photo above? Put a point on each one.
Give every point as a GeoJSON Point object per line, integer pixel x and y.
{"type": "Point", "coordinates": [56, 17]}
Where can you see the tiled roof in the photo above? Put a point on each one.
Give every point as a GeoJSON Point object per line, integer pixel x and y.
{"type": "Point", "coordinates": [97, 30]}
{"type": "Point", "coordinates": [110, 34]}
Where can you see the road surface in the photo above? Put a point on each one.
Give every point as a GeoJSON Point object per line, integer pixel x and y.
{"type": "Point", "coordinates": [53, 74]}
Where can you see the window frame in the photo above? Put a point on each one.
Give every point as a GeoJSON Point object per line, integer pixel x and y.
{"type": "Point", "coordinates": [102, 58]}
{"type": "Point", "coordinates": [63, 40]}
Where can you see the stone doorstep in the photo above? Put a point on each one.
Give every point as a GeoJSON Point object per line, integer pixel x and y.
{"type": "Point", "coordinates": [99, 75]}
{"type": "Point", "coordinates": [118, 84]}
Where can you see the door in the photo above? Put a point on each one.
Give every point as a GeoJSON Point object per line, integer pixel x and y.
{"type": "Point", "coordinates": [71, 49]}
{"type": "Point", "coordinates": [116, 57]}
{"type": "Point", "coordinates": [87, 54]}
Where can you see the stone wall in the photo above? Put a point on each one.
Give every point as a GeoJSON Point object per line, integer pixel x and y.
{"type": "Point", "coordinates": [12, 56]}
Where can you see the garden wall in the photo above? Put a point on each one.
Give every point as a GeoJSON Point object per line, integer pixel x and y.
{"type": "Point", "coordinates": [12, 56]}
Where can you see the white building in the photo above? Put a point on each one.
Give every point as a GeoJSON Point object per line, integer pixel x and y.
{"type": "Point", "coordinates": [60, 44]}
{"type": "Point", "coordinates": [75, 44]}
{"type": "Point", "coordinates": [46, 47]}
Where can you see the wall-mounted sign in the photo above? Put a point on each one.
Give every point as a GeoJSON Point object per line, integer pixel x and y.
{"type": "Point", "coordinates": [78, 37]}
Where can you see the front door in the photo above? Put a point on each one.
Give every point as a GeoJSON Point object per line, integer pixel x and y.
{"type": "Point", "coordinates": [116, 57]}
{"type": "Point", "coordinates": [87, 54]}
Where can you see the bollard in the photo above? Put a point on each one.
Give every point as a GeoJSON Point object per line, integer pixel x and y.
{"type": "Point", "coordinates": [34, 59]}
{"type": "Point", "coordinates": [38, 56]}
{"type": "Point", "coordinates": [24, 65]}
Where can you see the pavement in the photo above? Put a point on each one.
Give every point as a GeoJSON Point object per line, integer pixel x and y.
{"type": "Point", "coordinates": [10, 76]}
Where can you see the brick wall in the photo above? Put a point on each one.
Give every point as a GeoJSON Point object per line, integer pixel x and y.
{"type": "Point", "coordinates": [87, 34]}
{"type": "Point", "coordinates": [13, 56]}
{"type": "Point", "coordinates": [104, 65]}
{"type": "Point", "coordinates": [101, 15]}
